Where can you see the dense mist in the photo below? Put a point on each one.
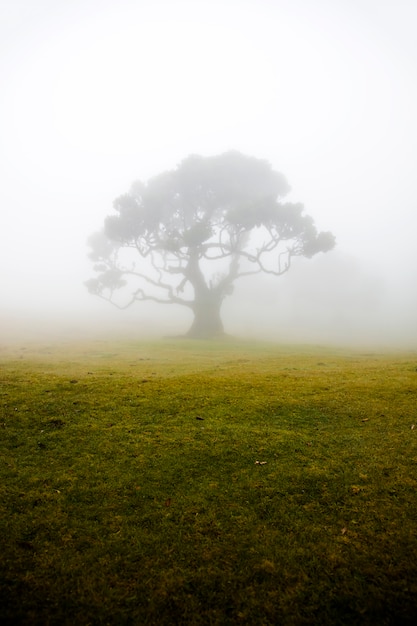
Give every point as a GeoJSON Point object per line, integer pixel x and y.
{"type": "Point", "coordinates": [100, 94]}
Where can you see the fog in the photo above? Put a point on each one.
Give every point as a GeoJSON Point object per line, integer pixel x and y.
{"type": "Point", "coordinates": [98, 93]}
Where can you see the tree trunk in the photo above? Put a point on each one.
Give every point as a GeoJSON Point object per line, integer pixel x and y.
{"type": "Point", "coordinates": [207, 322]}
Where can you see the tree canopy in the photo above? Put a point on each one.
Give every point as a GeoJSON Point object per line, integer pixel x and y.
{"type": "Point", "coordinates": [188, 234]}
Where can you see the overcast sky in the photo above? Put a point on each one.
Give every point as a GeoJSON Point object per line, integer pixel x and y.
{"type": "Point", "coordinates": [98, 93]}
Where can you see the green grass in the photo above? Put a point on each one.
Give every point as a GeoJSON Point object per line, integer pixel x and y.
{"type": "Point", "coordinates": [192, 483]}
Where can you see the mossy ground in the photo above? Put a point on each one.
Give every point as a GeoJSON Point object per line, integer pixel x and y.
{"type": "Point", "coordinates": [195, 483]}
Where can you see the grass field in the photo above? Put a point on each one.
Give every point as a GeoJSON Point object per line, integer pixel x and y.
{"type": "Point", "coordinates": [191, 483]}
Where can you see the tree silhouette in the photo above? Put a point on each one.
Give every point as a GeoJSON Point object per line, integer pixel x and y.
{"type": "Point", "coordinates": [187, 235]}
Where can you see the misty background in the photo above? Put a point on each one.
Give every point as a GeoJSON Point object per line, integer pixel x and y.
{"type": "Point", "coordinates": [99, 93]}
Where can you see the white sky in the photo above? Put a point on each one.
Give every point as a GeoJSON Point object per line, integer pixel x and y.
{"type": "Point", "coordinates": [97, 93]}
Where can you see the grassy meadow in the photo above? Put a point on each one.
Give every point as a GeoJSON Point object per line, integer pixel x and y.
{"type": "Point", "coordinates": [182, 482]}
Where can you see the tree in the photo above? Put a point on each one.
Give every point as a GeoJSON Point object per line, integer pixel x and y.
{"type": "Point", "coordinates": [188, 234]}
